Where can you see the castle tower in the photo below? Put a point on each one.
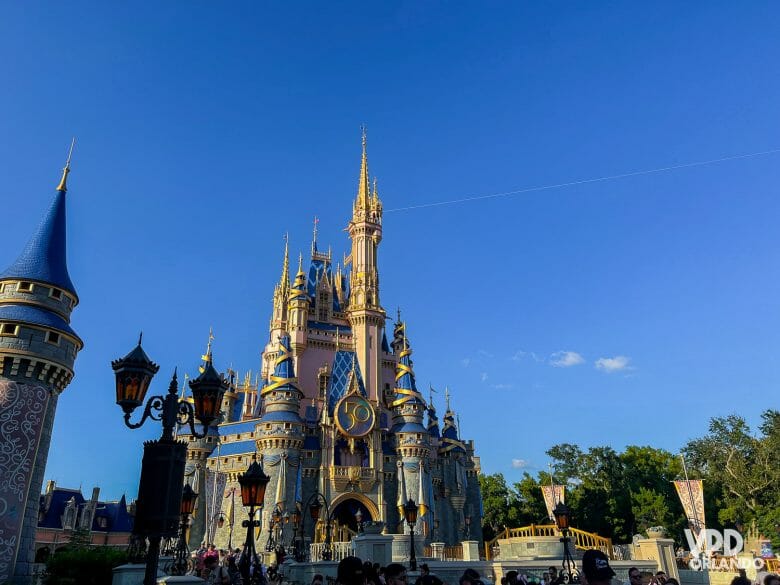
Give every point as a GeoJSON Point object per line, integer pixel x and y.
{"type": "Point", "coordinates": [365, 313]}
{"type": "Point", "coordinates": [37, 352]}
{"type": "Point", "coordinates": [280, 435]}
{"type": "Point", "coordinates": [412, 438]}
{"type": "Point", "coordinates": [281, 294]}
{"type": "Point", "coordinates": [298, 311]}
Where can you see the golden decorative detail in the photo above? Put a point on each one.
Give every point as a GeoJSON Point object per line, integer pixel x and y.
{"type": "Point", "coordinates": [63, 182]}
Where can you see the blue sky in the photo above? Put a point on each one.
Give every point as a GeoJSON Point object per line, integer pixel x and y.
{"type": "Point", "coordinates": [206, 131]}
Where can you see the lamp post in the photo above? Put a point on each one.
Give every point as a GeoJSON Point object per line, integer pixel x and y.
{"type": "Point", "coordinates": [313, 503]}
{"type": "Point", "coordinates": [435, 528]}
{"type": "Point", "coordinates": [182, 553]}
{"type": "Point", "coordinates": [286, 518]}
{"type": "Point", "coordinates": [562, 515]}
{"type": "Point", "coordinates": [276, 520]}
{"type": "Point", "coordinates": [467, 522]}
{"type": "Point", "coordinates": [410, 513]}
{"type": "Point", "coordinates": [253, 483]}
{"type": "Point", "coordinates": [162, 468]}
{"type": "Point", "coordinates": [296, 520]}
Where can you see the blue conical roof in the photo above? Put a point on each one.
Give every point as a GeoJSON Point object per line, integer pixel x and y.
{"type": "Point", "coordinates": [44, 257]}
{"type": "Point", "coordinates": [283, 377]}
{"type": "Point", "coordinates": [405, 384]}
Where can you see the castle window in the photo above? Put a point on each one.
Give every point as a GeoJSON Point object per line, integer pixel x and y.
{"type": "Point", "coordinates": [238, 437]}
{"type": "Point", "coordinates": [287, 426]}
{"type": "Point", "coordinates": [55, 293]}
{"type": "Point", "coordinates": [52, 337]}
{"type": "Point", "coordinates": [9, 329]}
{"type": "Point", "coordinates": [25, 287]}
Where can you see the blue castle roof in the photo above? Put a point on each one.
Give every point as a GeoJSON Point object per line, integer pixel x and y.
{"type": "Point", "coordinates": [44, 257]}
{"type": "Point", "coordinates": [234, 448]}
{"type": "Point", "coordinates": [342, 367]}
{"type": "Point", "coordinates": [35, 316]}
{"type": "Point", "coordinates": [405, 384]}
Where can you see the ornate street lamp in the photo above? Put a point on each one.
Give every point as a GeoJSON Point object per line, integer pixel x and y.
{"type": "Point", "coordinates": [162, 468]}
{"type": "Point", "coordinates": [467, 522]}
{"type": "Point", "coordinates": [296, 520]}
{"type": "Point", "coordinates": [435, 528]}
{"type": "Point", "coordinates": [182, 553]}
{"type": "Point", "coordinates": [562, 515]}
{"type": "Point", "coordinates": [253, 483]}
{"type": "Point", "coordinates": [410, 513]}
{"type": "Point", "coordinates": [314, 505]}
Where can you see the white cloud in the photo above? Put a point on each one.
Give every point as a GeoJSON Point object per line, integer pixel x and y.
{"type": "Point", "coordinates": [566, 359]}
{"type": "Point", "coordinates": [520, 354]}
{"type": "Point", "coordinates": [485, 354]}
{"type": "Point", "coordinates": [502, 386]}
{"type": "Point", "coordinates": [483, 376]}
{"type": "Point", "coordinates": [465, 362]}
{"type": "Point", "coordinates": [519, 463]}
{"type": "Point", "coordinates": [613, 364]}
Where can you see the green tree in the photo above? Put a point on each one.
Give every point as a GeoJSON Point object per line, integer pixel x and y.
{"type": "Point", "coordinates": [500, 505]}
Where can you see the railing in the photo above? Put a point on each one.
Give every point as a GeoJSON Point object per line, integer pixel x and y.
{"type": "Point", "coordinates": [582, 540]}
{"type": "Point", "coordinates": [338, 550]}
{"type": "Point", "coordinates": [444, 553]}
{"type": "Point", "coordinates": [772, 565]}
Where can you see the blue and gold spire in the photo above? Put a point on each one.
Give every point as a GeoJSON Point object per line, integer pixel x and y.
{"type": "Point", "coordinates": [450, 440]}
{"type": "Point", "coordinates": [433, 420]}
{"type": "Point", "coordinates": [283, 379]}
{"type": "Point", "coordinates": [298, 290]}
{"type": "Point", "coordinates": [44, 259]}
{"type": "Point", "coordinates": [405, 385]}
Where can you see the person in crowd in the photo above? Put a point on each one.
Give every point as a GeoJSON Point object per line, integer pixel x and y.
{"type": "Point", "coordinates": [214, 573]}
{"type": "Point", "coordinates": [426, 578]}
{"type": "Point", "coordinates": [395, 574]}
{"type": "Point", "coordinates": [661, 578]}
{"type": "Point", "coordinates": [596, 569]}
{"type": "Point", "coordinates": [555, 577]}
{"type": "Point", "coordinates": [317, 579]}
{"type": "Point", "coordinates": [470, 577]}
{"type": "Point", "coordinates": [672, 581]}
{"type": "Point", "coordinates": [350, 572]}
{"type": "Point", "coordinates": [772, 579]}
{"type": "Point", "coordinates": [634, 576]}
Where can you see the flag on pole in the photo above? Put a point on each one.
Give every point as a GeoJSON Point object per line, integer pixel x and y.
{"type": "Point", "coordinates": [691, 494]}
{"type": "Point", "coordinates": [552, 495]}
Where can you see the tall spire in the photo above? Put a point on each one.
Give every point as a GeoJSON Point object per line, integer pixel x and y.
{"type": "Point", "coordinates": [63, 182]}
{"type": "Point", "coordinates": [285, 281]}
{"type": "Point", "coordinates": [364, 187]}
{"type": "Point", "coordinates": [207, 356]}
{"type": "Point", "coordinates": [44, 258]}
{"type": "Point", "coordinates": [314, 236]}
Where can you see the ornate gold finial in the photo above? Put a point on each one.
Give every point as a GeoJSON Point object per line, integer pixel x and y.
{"type": "Point", "coordinates": [364, 188]}
{"type": "Point", "coordinates": [63, 182]}
{"type": "Point", "coordinates": [314, 237]}
{"type": "Point", "coordinates": [398, 311]}
{"type": "Point", "coordinates": [300, 263]}
{"type": "Point", "coordinates": [207, 357]}
{"type": "Point", "coordinates": [447, 397]}
{"type": "Point", "coordinates": [431, 392]}
{"type": "Point", "coordinates": [337, 338]}
{"type": "Point", "coordinates": [285, 282]}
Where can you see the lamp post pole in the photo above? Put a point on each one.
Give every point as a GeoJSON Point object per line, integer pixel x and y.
{"type": "Point", "coordinates": [182, 552]}
{"type": "Point", "coordinates": [410, 513]}
{"type": "Point", "coordinates": [562, 515]}
{"type": "Point", "coordinates": [253, 484]}
{"type": "Point", "coordinates": [162, 468]}
{"type": "Point", "coordinates": [313, 503]}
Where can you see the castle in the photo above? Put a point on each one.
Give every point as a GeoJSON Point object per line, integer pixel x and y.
{"type": "Point", "coordinates": [37, 350]}
{"type": "Point", "coordinates": [335, 410]}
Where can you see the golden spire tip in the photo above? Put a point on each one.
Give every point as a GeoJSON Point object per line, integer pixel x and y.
{"type": "Point", "coordinates": [63, 182]}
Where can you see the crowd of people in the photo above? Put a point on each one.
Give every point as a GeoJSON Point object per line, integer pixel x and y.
{"type": "Point", "coordinates": [221, 567]}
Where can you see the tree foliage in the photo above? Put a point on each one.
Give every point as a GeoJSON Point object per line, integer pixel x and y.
{"type": "Point", "coordinates": [81, 564]}
{"type": "Point", "coordinates": [620, 494]}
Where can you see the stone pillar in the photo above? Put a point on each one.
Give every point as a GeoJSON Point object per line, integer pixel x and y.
{"type": "Point", "coordinates": [25, 409]}
{"type": "Point", "coordinates": [437, 550]}
{"type": "Point", "coordinates": [470, 550]}
{"type": "Point", "coordinates": [660, 550]}
{"type": "Point", "coordinates": [378, 548]}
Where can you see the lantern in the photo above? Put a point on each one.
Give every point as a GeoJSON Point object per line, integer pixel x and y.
{"type": "Point", "coordinates": [410, 512]}
{"type": "Point", "coordinates": [562, 516]}
{"type": "Point", "coordinates": [133, 374]}
{"type": "Point", "coordinates": [207, 392]}
{"type": "Point", "coordinates": [314, 510]}
{"type": "Point", "coordinates": [253, 483]}
{"type": "Point", "coordinates": [188, 497]}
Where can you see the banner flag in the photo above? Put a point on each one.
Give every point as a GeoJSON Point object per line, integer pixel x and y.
{"type": "Point", "coordinates": [552, 495]}
{"type": "Point", "coordinates": [691, 494]}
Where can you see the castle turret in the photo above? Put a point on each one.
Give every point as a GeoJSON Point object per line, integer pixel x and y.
{"type": "Point", "coordinates": [298, 311]}
{"type": "Point", "coordinates": [412, 438]}
{"type": "Point", "coordinates": [281, 294]}
{"type": "Point", "coordinates": [280, 433]}
{"type": "Point", "coordinates": [365, 313]}
{"type": "Point", "coordinates": [38, 348]}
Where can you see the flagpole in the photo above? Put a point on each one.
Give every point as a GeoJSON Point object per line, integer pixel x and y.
{"type": "Point", "coordinates": [690, 495]}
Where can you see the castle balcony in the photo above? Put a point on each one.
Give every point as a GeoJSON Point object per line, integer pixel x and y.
{"type": "Point", "coordinates": [343, 476]}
